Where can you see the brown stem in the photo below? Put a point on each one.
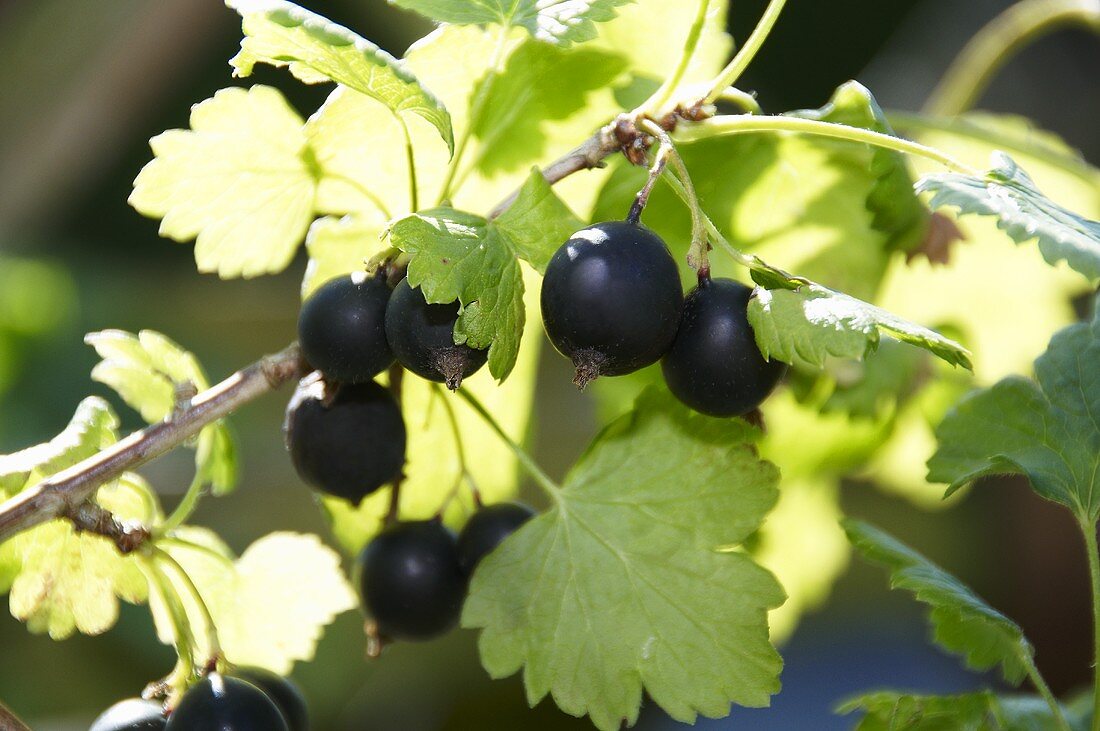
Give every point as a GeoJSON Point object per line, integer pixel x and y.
{"type": "Point", "coordinates": [91, 517]}
{"type": "Point", "coordinates": [10, 722]}
{"type": "Point", "coordinates": [61, 494]}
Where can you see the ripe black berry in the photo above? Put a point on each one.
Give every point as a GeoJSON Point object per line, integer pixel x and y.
{"type": "Point", "coordinates": [226, 704]}
{"type": "Point", "coordinates": [132, 714]}
{"type": "Point", "coordinates": [411, 582]}
{"type": "Point", "coordinates": [485, 530]}
{"type": "Point", "coordinates": [285, 694]}
{"type": "Point", "coordinates": [422, 338]}
{"type": "Point", "coordinates": [341, 328]}
{"type": "Point", "coordinates": [611, 299]}
{"type": "Point", "coordinates": [348, 443]}
{"type": "Point", "coordinates": [714, 365]}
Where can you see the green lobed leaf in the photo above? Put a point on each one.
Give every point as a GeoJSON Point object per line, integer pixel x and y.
{"type": "Point", "coordinates": [241, 182]}
{"type": "Point", "coordinates": [540, 85]}
{"type": "Point", "coordinates": [896, 210]}
{"type": "Point", "coordinates": [461, 256]}
{"type": "Point", "coordinates": [317, 50]}
{"type": "Point", "coordinates": [1047, 429]}
{"type": "Point", "coordinates": [91, 428]}
{"type": "Point", "coordinates": [537, 223]}
{"type": "Point", "coordinates": [62, 581]}
{"type": "Point", "coordinates": [145, 370]}
{"type": "Point", "coordinates": [621, 585]}
{"type": "Point", "coordinates": [561, 22]}
{"type": "Point", "coordinates": [963, 623]}
{"type": "Point", "coordinates": [889, 710]}
{"type": "Point", "coordinates": [1007, 193]}
{"type": "Point", "coordinates": [807, 325]}
{"type": "Point", "coordinates": [264, 617]}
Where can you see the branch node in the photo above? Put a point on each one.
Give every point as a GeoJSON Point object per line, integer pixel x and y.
{"type": "Point", "coordinates": [90, 517]}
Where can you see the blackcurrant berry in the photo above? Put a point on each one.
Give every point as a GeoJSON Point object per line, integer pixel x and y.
{"type": "Point", "coordinates": [226, 704]}
{"type": "Point", "coordinates": [714, 365]}
{"type": "Point", "coordinates": [347, 443]}
{"type": "Point", "coordinates": [611, 299]}
{"type": "Point", "coordinates": [411, 581]}
{"type": "Point", "coordinates": [422, 338]}
{"type": "Point", "coordinates": [487, 528]}
{"type": "Point", "coordinates": [287, 696]}
{"type": "Point", "coordinates": [341, 328]}
{"type": "Point", "coordinates": [132, 714]}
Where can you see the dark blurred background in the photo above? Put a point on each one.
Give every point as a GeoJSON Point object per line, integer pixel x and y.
{"type": "Point", "coordinates": [83, 85]}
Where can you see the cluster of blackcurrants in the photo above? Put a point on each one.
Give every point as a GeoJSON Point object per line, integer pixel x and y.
{"type": "Point", "coordinates": [613, 303]}
{"type": "Point", "coordinates": [251, 699]}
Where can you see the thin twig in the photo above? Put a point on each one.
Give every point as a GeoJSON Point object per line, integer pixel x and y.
{"type": "Point", "coordinates": [61, 493]}
{"type": "Point", "coordinates": [642, 197]}
{"type": "Point", "coordinates": [588, 155]}
{"type": "Point", "coordinates": [10, 722]}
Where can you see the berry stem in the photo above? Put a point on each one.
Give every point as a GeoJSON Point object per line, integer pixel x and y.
{"type": "Point", "coordinates": [182, 638]}
{"type": "Point", "coordinates": [184, 508]}
{"type": "Point", "coordinates": [659, 99]}
{"type": "Point", "coordinates": [552, 488]}
{"type": "Point", "coordinates": [642, 198]}
{"type": "Point", "coordinates": [182, 579]}
{"type": "Point", "coordinates": [991, 47]}
{"type": "Point", "coordinates": [460, 448]}
{"type": "Point", "coordinates": [741, 124]}
{"type": "Point", "coordinates": [697, 253]}
{"type": "Point", "coordinates": [733, 70]}
{"type": "Point", "coordinates": [1088, 528]}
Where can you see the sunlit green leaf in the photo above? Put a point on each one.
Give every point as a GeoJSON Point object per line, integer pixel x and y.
{"type": "Point", "coordinates": [963, 623]}
{"type": "Point", "coordinates": [811, 323]}
{"type": "Point", "coordinates": [146, 370]}
{"type": "Point", "coordinates": [554, 21]}
{"type": "Point", "coordinates": [240, 182]}
{"type": "Point", "coordinates": [1022, 211]}
{"type": "Point", "coordinates": [896, 209]}
{"type": "Point", "coordinates": [1047, 429]}
{"type": "Point", "coordinates": [317, 50]}
{"type": "Point", "coordinates": [619, 586]}
{"type": "Point", "coordinates": [271, 605]}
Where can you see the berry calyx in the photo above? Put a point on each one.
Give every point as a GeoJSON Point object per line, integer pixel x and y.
{"type": "Point", "coordinates": [132, 714]}
{"type": "Point", "coordinates": [347, 440]}
{"type": "Point", "coordinates": [341, 328]}
{"type": "Point", "coordinates": [611, 299]}
{"type": "Point", "coordinates": [421, 336]}
{"type": "Point", "coordinates": [226, 704]}
{"type": "Point", "coordinates": [286, 695]}
{"type": "Point", "coordinates": [487, 528]}
{"type": "Point", "coordinates": [411, 582]}
{"type": "Point", "coordinates": [714, 365]}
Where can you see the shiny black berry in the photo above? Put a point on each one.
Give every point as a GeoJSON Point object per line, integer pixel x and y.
{"type": "Point", "coordinates": [487, 528]}
{"type": "Point", "coordinates": [411, 581]}
{"type": "Point", "coordinates": [421, 336]}
{"type": "Point", "coordinates": [287, 696]}
{"type": "Point", "coordinates": [221, 703]}
{"type": "Point", "coordinates": [132, 714]}
{"type": "Point", "coordinates": [714, 365]}
{"type": "Point", "coordinates": [611, 299]}
{"type": "Point", "coordinates": [346, 440]}
{"type": "Point", "coordinates": [341, 328]}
